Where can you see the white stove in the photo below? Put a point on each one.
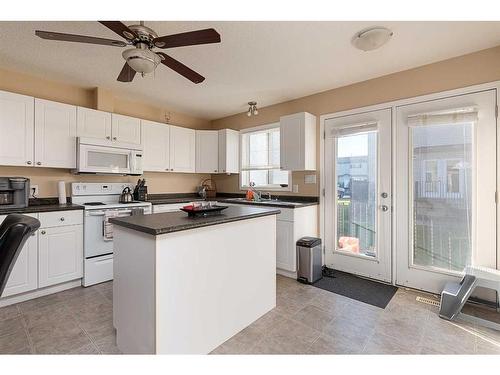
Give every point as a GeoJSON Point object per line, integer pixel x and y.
{"type": "Point", "coordinates": [101, 202]}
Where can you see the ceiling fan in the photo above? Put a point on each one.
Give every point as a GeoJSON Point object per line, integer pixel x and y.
{"type": "Point", "coordinates": [141, 58]}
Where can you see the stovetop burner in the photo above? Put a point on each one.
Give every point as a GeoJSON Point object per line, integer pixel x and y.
{"type": "Point", "coordinates": [93, 204]}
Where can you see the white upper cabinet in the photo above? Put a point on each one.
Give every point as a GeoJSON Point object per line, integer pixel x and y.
{"type": "Point", "coordinates": [156, 144]}
{"type": "Point", "coordinates": [93, 124]}
{"type": "Point", "coordinates": [55, 134]}
{"type": "Point", "coordinates": [207, 151]}
{"type": "Point", "coordinates": [298, 142]}
{"type": "Point", "coordinates": [16, 129]}
{"type": "Point", "coordinates": [229, 151]}
{"type": "Point", "coordinates": [182, 149]}
{"type": "Point", "coordinates": [125, 129]}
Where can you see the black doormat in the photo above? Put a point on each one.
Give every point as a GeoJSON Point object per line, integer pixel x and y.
{"type": "Point", "coordinates": [367, 291]}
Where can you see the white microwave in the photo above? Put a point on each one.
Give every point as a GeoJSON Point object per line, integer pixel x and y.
{"type": "Point", "coordinates": [101, 156]}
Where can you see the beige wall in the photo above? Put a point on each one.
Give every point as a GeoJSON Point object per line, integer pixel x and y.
{"type": "Point", "coordinates": [98, 98]}
{"type": "Point", "coordinates": [467, 70]}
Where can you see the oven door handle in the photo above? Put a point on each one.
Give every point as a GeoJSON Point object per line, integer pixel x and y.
{"type": "Point", "coordinates": [96, 213]}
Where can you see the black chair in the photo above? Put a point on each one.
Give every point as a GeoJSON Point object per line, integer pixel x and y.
{"type": "Point", "coordinates": [14, 232]}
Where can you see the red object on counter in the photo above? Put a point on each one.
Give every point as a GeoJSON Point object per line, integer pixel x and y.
{"type": "Point", "coordinates": [188, 207]}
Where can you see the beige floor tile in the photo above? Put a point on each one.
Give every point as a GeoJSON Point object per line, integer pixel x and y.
{"type": "Point", "coordinates": [349, 330]}
{"type": "Point", "coordinates": [9, 312]}
{"type": "Point", "coordinates": [326, 344]}
{"type": "Point", "coordinates": [98, 329]}
{"type": "Point", "coordinates": [444, 337]}
{"type": "Point", "coordinates": [401, 327]}
{"type": "Point", "coordinates": [381, 344]}
{"type": "Point", "coordinates": [107, 345]}
{"type": "Point", "coordinates": [58, 338]}
{"type": "Point", "coordinates": [272, 345]}
{"type": "Point", "coordinates": [313, 317]}
{"type": "Point", "coordinates": [47, 314]}
{"type": "Point", "coordinates": [293, 331]}
{"type": "Point", "coordinates": [242, 342]}
{"type": "Point", "coordinates": [93, 312]}
{"type": "Point", "coordinates": [10, 326]}
{"type": "Point", "coordinates": [86, 349]}
{"type": "Point", "coordinates": [40, 302]}
{"type": "Point", "coordinates": [15, 343]}
{"type": "Point", "coordinates": [268, 320]}
{"type": "Point", "coordinates": [331, 302]}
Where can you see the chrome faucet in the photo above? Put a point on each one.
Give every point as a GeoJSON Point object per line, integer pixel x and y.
{"type": "Point", "coordinates": [266, 193]}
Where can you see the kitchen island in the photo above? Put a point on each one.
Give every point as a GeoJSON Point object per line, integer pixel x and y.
{"type": "Point", "coordinates": [185, 285]}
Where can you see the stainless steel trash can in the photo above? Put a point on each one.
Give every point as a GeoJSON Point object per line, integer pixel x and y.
{"type": "Point", "coordinates": [309, 262]}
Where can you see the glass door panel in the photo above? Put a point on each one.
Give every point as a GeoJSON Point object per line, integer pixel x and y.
{"type": "Point", "coordinates": [442, 195]}
{"type": "Point", "coordinates": [356, 171]}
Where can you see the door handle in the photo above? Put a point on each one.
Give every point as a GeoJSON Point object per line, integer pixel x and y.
{"type": "Point", "coordinates": [384, 195]}
{"type": "Point", "coordinates": [384, 208]}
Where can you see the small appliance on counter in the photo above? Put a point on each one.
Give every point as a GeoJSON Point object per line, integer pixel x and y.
{"type": "Point", "coordinates": [141, 191]}
{"type": "Point", "coordinates": [14, 192]}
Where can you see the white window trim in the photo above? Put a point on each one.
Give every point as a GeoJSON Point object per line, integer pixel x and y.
{"type": "Point", "coordinates": [268, 187]}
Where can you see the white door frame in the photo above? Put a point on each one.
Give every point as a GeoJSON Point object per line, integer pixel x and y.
{"type": "Point", "coordinates": [393, 105]}
{"type": "Point", "coordinates": [379, 267]}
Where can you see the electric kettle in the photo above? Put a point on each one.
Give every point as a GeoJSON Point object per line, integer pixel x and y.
{"type": "Point", "coordinates": [126, 196]}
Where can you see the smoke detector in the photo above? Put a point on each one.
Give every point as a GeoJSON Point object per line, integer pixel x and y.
{"type": "Point", "coordinates": [371, 38]}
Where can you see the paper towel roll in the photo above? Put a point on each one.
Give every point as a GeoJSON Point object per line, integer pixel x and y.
{"type": "Point", "coordinates": [61, 188]}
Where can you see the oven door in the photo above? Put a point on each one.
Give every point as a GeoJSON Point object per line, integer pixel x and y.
{"type": "Point", "coordinates": [102, 159]}
{"type": "Point", "coordinates": [98, 233]}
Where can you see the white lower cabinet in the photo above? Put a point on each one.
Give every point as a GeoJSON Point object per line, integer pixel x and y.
{"type": "Point", "coordinates": [52, 255]}
{"type": "Point", "coordinates": [170, 207]}
{"type": "Point", "coordinates": [24, 274]}
{"type": "Point", "coordinates": [60, 254]}
{"type": "Point", "coordinates": [285, 257]}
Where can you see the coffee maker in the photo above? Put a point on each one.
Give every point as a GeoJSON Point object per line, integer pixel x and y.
{"type": "Point", "coordinates": [14, 192]}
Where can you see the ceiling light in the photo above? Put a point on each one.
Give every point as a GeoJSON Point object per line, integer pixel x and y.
{"type": "Point", "coordinates": [141, 60]}
{"type": "Point", "coordinates": [371, 38]}
{"type": "Point", "coordinates": [252, 109]}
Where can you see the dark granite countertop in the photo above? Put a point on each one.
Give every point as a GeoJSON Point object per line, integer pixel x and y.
{"type": "Point", "coordinates": [41, 205]}
{"type": "Point", "coordinates": [284, 201]}
{"type": "Point", "coordinates": [169, 222]}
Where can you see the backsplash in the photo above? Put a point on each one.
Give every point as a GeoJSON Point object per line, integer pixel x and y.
{"type": "Point", "coordinates": [47, 179]}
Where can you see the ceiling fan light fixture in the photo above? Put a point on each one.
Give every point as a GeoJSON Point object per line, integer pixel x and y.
{"type": "Point", "coordinates": [141, 60]}
{"type": "Point", "coordinates": [371, 38]}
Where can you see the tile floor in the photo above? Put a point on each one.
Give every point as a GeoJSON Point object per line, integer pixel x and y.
{"type": "Point", "coordinates": [307, 320]}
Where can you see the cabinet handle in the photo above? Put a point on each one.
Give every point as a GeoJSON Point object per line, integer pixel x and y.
{"type": "Point", "coordinates": [28, 162]}
{"type": "Point", "coordinates": [38, 163]}
{"type": "Point", "coordinates": [172, 169]}
{"type": "Point", "coordinates": [108, 137]}
{"type": "Point", "coordinates": [43, 232]}
{"type": "Point", "coordinates": [215, 170]}
{"type": "Point", "coordinates": [62, 219]}
{"type": "Point", "coordinates": [114, 138]}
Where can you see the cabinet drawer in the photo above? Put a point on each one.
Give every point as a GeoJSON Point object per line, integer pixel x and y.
{"type": "Point", "coordinates": [286, 214]}
{"type": "Point", "coordinates": [58, 218]}
{"type": "Point", "coordinates": [172, 207]}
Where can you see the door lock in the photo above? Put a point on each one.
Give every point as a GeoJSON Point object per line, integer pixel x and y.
{"type": "Point", "coordinates": [384, 208]}
{"type": "Point", "coordinates": [384, 195]}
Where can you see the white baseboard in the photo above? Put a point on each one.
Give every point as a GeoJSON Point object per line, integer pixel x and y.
{"type": "Point", "coordinates": [292, 275]}
{"type": "Point", "coordinates": [39, 293]}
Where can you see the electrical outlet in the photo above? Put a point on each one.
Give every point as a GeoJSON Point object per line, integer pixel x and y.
{"type": "Point", "coordinates": [295, 188]}
{"type": "Point", "coordinates": [310, 179]}
{"type": "Point", "coordinates": [34, 191]}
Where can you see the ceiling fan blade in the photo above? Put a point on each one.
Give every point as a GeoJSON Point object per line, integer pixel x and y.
{"type": "Point", "coordinates": [127, 74]}
{"type": "Point", "coordinates": [190, 38]}
{"type": "Point", "coordinates": [180, 68]}
{"type": "Point", "coordinates": [120, 28]}
{"type": "Point", "coordinates": [78, 38]}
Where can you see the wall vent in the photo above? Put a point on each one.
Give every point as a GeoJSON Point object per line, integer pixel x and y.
{"type": "Point", "coordinates": [429, 301]}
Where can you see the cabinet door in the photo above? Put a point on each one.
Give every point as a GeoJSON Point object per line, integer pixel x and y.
{"type": "Point", "coordinates": [229, 151]}
{"type": "Point", "coordinates": [125, 129]}
{"type": "Point", "coordinates": [291, 143]}
{"type": "Point", "coordinates": [60, 254]}
{"type": "Point", "coordinates": [285, 247]}
{"type": "Point", "coordinates": [207, 151]}
{"type": "Point", "coordinates": [93, 124]}
{"type": "Point", "coordinates": [156, 144]}
{"type": "Point", "coordinates": [24, 274]}
{"type": "Point", "coordinates": [55, 134]}
{"type": "Point", "coordinates": [16, 129]}
{"type": "Point", "coordinates": [182, 149]}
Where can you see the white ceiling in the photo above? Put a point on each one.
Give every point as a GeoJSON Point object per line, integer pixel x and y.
{"type": "Point", "coordinates": [269, 62]}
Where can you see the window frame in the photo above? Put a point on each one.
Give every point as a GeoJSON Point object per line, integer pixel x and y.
{"type": "Point", "coordinates": [261, 128]}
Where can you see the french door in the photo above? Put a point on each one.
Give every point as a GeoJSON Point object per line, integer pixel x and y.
{"type": "Point", "coordinates": [358, 194]}
{"type": "Point", "coordinates": [445, 212]}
